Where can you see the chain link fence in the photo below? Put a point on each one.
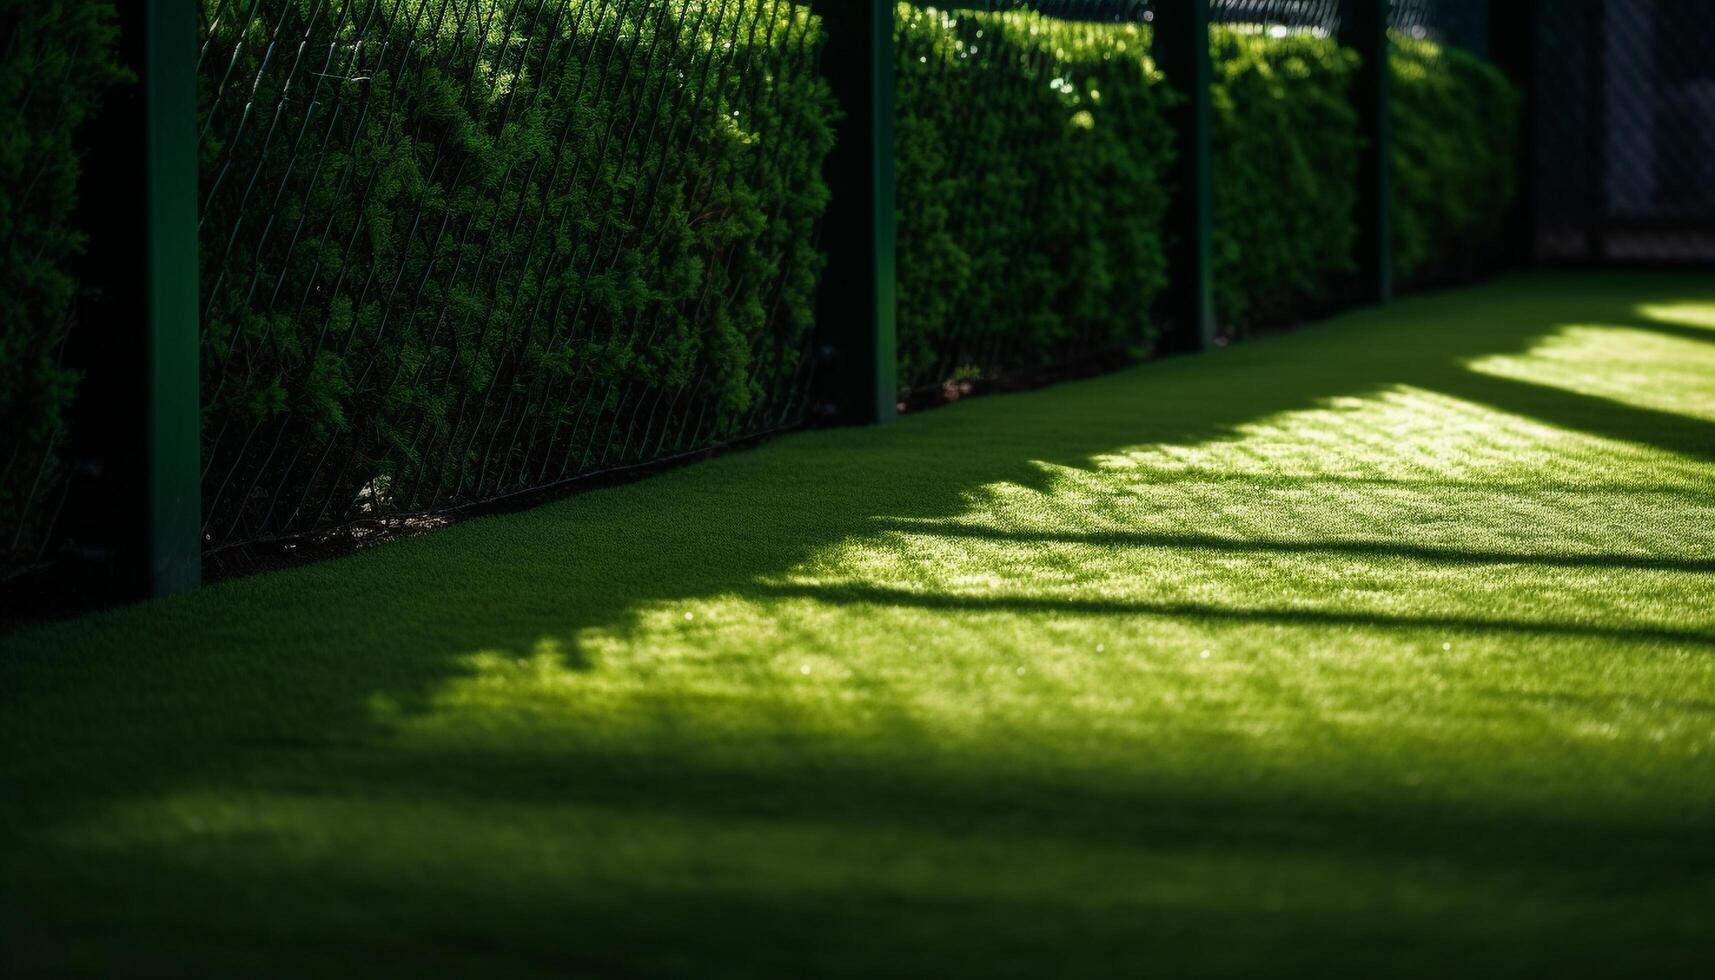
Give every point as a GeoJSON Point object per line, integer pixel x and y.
{"type": "Point", "coordinates": [457, 250]}
{"type": "Point", "coordinates": [1279, 17]}
{"type": "Point", "coordinates": [1031, 192]}
{"type": "Point", "coordinates": [1454, 23]}
{"type": "Point", "coordinates": [1625, 154]}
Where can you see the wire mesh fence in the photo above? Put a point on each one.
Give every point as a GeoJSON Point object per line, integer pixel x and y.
{"type": "Point", "coordinates": [1030, 155]}
{"type": "Point", "coordinates": [1286, 158]}
{"type": "Point", "coordinates": [1457, 22]}
{"type": "Point", "coordinates": [1281, 17]}
{"type": "Point", "coordinates": [456, 250]}
{"type": "Point", "coordinates": [1455, 127]}
{"type": "Point", "coordinates": [1626, 157]}
{"type": "Point", "coordinates": [1454, 23]}
{"type": "Point", "coordinates": [459, 250]}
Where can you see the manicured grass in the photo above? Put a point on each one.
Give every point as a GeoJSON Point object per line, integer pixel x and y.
{"type": "Point", "coordinates": [1385, 648]}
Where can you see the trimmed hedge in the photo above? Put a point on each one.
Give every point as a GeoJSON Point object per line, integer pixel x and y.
{"type": "Point", "coordinates": [452, 256]}
{"type": "Point", "coordinates": [1026, 238]}
{"type": "Point", "coordinates": [57, 63]}
{"type": "Point", "coordinates": [1455, 131]}
{"type": "Point", "coordinates": [1286, 145]}
{"type": "Point", "coordinates": [1031, 156]}
{"type": "Point", "coordinates": [1286, 168]}
{"type": "Point", "coordinates": [498, 250]}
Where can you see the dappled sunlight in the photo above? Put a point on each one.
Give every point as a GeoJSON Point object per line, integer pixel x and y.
{"type": "Point", "coordinates": [1697, 314]}
{"type": "Point", "coordinates": [685, 674]}
{"type": "Point", "coordinates": [1641, 367]}
{"type": "Point", "coordinates": [1404, 435]}
{"type": "Point", "coordinates": [1335, 572]}
{"type": "Point", "coordinates": [1406, 501]}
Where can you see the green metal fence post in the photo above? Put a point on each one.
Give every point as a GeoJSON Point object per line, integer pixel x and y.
{"type": "Point", "coordinates": [1364, 28]}
{"type": "Point", "coordinates": [856, 309]}
{"type": "Point", "coordinates": [1187, 305]}
{"type": "Point", "coordinates": [174, 397]}
{"type": "Point", "coordinates": [1512, 47]}
{"type": "Point", "coordinates": [135, 515]}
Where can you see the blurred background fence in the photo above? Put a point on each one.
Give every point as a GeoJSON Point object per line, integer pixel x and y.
{"type": "Point", "coordinates": [1625, 152]}
{"type": "Point", "coordinates": [459, 252]}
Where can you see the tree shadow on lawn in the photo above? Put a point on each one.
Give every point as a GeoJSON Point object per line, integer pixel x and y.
{"type": "Point", "coordinates": [271, 685]}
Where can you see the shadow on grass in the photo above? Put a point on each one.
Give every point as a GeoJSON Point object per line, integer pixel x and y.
{"type": "Point", "coordinates": [1212, 613]}
{"type": "Point", "coordinates": [1693, 438]}
{"type": "Point", "coordinates": [1127, 861]}
{"type": "Point", "coordinates": [269, 685]}
{"type": "Point", "coordinates": [1404, 551]}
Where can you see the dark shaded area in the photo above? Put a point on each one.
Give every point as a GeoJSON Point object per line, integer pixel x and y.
{"type": "Point", "coordinates": [722, 928]}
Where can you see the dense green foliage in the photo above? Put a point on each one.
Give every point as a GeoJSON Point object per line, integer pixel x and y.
{"type": "Point", "coordinates": [453, 251]}
{"type": "Point", "coordinates": [1031, 154]}
{"type": "Point", "coordinates": [1455, 133]}
{"type": "Point", "coordinates": [1031, 165]}
{"type": "Point", "coordinates": [453, 255]}
{"type": "Point", "coordinates": [1286, 146]}
{"type": "Point", "coordinates": [1382, 649]}
{"type": "Point", "coordinates": [1286, 163]}
{"type": "Point", "coordinates": [57, 62]}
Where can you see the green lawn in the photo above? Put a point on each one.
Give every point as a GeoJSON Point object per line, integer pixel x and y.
{"type": "Point", "coordinates": [1384, 648]}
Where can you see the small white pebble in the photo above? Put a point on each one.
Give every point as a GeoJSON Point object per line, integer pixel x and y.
{"type": "Point", "coordinates": [1205, 654]}
{"type": "Point", "coordinates": [690, 616]}
{"type": "Point", "coordinates": [804, 669]}
{"type": "Point", "coordinates": [1446, 646]}
{"type": "Point", "coordinates": [1101, 647]}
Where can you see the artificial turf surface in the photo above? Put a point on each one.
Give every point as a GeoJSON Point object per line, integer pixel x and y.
{"type": "Point", "coordinates": [1385, 648]}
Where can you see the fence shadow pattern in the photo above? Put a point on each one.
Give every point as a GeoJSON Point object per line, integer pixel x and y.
{"type": "Point", "coordinates": [1625, 167]}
